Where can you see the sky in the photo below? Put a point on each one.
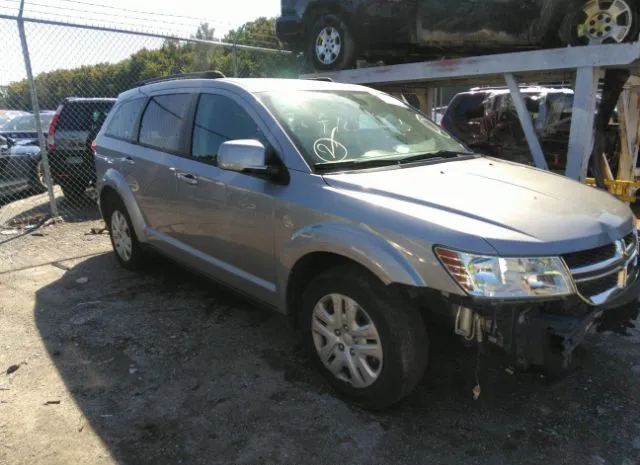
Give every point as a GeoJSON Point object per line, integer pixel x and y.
{"type": "Point", "coordinates": [56, 47]}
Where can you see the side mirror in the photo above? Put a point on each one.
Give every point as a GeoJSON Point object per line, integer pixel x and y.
{"type": "Point", "coordinates": [242, 155]}
{"type": "Point", "coordinates": [250, 156]}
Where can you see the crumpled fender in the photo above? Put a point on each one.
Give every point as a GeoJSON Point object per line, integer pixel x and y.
{"type": "Point", "coordinates": [355, 242]}
{"type": "Point", "coordinates": [113, 179]}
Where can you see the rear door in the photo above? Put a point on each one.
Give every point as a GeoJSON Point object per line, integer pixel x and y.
{"type": "Point", "coordinates": [387, 21]}
{"type": "Point", "coordinates": [161, 140]}
{"type": "Point", "coordinates": [481, 23]}
{"type": "Point", "coordinates": [116, 149]}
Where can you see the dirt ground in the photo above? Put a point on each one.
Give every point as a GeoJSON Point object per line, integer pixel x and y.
{"type": "Point", "coordinates": [103, 366]}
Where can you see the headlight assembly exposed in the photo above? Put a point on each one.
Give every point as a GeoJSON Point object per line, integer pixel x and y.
{"type": "Point", "coordinates": [507, 278]}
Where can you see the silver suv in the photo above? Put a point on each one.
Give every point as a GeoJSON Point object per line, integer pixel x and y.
{"type": "Point", "coordinates": [352, 213]}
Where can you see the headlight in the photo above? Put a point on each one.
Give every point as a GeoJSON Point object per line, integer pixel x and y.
{"type": "Point", "coordinates": [507, 278]}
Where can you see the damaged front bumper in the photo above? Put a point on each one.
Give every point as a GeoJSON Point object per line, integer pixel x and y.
{"type": "Point", "coordinates": [541, 334]}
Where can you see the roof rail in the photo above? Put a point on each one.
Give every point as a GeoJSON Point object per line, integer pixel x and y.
{"type": "Point", "coordinates": [213, 74]}
{"type": "Point", "coordinates": [324, 79]}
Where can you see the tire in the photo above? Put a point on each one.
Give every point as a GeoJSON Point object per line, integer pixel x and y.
{"type": "Point", "coordinates": [38, 182]}
{"type": "Point", "coordinates": [398, 329]}
{"type": "Point", "coordinates": [597, 23]}
{"type": "Point", "coordinates": [75, 192]}
{"type": "Point", "coordinates": [121, 232]}
{"type": "Point", "coordinates": [331, 34]}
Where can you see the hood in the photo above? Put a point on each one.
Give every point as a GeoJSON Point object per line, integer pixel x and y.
{"type": "Point", "coordinates": [517, 209]}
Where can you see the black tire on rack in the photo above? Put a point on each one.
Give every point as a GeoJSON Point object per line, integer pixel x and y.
{"type": "Point", "coordinates": [330, 44]}
{"type": "Point", "coordinates": [592, 22]}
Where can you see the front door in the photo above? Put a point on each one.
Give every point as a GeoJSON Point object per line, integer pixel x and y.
{"type": "Point", "coordinates": [226, 218]}
{"type": "Point", "coordinates": [388, 21]}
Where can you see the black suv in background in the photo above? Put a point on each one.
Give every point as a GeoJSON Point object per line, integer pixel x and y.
{"type": "Point", "coordinates": [335, 33]}
{"type": "Point", "coordinates": [73, 128]}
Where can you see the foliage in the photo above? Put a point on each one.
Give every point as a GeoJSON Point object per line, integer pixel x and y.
{"type": "Point", "coordinates": [174, 56]}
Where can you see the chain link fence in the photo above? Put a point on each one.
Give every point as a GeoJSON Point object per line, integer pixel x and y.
{"type": "Point", "coordinates": [58, 85]}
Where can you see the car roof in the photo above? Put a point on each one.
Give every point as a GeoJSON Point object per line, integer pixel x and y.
{"type": "Point", "coordinates": [250, 85]}
{"type": "Point", "coordinates": [89, 99]}
{"type": "Point", "coordinates": [524, 90]}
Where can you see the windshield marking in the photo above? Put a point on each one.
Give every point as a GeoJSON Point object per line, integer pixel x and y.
{"type": "Point", "coordinates": [326, 147]}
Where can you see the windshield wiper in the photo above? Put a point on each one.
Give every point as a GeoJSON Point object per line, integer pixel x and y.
{"type": "Point", "coordinates": [387, 161]}
{"type": "Point", "coordinates": [358, 163]}
{"type": "Point", "coordinates": [433, 155]}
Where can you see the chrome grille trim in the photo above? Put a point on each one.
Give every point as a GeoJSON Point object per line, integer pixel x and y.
{"type": "Point", "coordinates": [625, 255]}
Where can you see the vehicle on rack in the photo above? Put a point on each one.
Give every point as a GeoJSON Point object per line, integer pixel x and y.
{"type": "Point", "coordinates": [69, 139]}
{"type": "Point", "coordinates": [335, 33]}
{"type": "Point", "coordinates": [21, 169]}
{"type": "Point", "coordinates": [486, 120]}
{"type": "Point", "coordinates": [352, 213]}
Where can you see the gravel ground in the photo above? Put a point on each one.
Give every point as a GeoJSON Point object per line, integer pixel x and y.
{"type": "Point", "coordinates": [103, 366]}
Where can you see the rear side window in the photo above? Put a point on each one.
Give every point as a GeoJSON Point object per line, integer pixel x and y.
{"type": "Point", "coordinates": [162, 121]}
{"type": "Point", "coordinates": [124, 119]}
{"type": "Point", "coordinates": [83, 116]}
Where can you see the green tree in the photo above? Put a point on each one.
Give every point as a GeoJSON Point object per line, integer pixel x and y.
{"type": "Point", "coordinates": [173, 57]}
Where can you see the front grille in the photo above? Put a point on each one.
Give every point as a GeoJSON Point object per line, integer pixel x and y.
{"type": "Point", "coordinates": [601, 273]}
{"type": "Point", "coordinates": [630, 240]}
{"type": "Point", "coordinates": [589, 257]}
{"type": "Point", "coordinates": [598, 286]}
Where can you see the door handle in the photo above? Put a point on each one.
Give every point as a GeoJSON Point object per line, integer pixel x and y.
{"type": "Point", "coordinates": [129, 160]}
{"type": "Point", "coordinates": [188, 178]}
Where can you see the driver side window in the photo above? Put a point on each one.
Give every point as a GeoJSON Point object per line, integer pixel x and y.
{"type": "Point", "coordinates": [219, 119]}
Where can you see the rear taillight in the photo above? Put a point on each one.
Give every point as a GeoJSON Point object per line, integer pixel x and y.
{"type": "Point", "coordinates": [51, 143]}
{"type": "Point", "coordinates": [93, 147]}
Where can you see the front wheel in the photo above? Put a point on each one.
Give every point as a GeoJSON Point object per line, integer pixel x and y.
{"type": "Point", "coordinates": [369, 342]}
{"type": "Point", "coordinates": [595, 22]}
{"type": "Point", "coordinates": [331, 45]}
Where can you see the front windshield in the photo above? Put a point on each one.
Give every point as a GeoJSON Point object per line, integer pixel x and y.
{"type": "Point", "coordinates": [341, 126]}
{"type": "Point", "coordinates": [27, 123]}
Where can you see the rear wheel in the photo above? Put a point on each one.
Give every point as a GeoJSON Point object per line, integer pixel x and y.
{"type": "Point", "coordinates": [75, 192]}
{"type": "Point", "coordinates": [38, 181]}
{"type": "Point", "coordinates": [595, 22]}
{"type": "Point", "coordinates": [126, 246]}
{"type": "Point", "coordinates": [368, 341]}
{"type": "Point", "coordinates": [331, 45]}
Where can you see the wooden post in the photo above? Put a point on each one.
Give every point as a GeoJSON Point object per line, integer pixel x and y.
{"type": "Point", "coordinates": [629, 117]}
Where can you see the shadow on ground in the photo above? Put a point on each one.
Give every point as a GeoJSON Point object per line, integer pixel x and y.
{"type": "Point", "coordinates": [171, 369]}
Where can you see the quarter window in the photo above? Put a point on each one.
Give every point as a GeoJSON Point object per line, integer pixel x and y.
{"type": "Point", "coordinates": [219, 119]}
{"type": "Point", "coordinates": [162, 121]}
{"type": "Point", "coordinates": [124, 119]}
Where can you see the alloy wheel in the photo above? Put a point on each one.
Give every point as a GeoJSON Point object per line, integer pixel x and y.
{"type": "Point", "coordinates": [606, 21]}
{"type": "Point", "coordinates": [328, 45]}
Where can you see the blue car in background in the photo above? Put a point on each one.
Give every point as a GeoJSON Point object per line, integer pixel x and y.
{"type": "Point", "coordinates": [20, 158]}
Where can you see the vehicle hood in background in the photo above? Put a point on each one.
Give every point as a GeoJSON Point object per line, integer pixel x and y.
{"type": "Point", "coordinates": [20, 135]}
{"type": "Point", "coordinates": [515, 208]}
